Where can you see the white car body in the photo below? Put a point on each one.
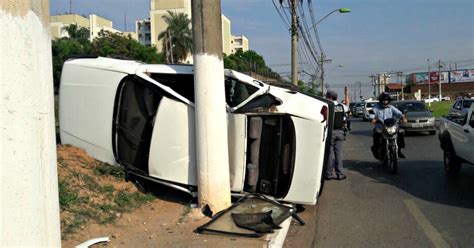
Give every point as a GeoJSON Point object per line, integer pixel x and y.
{"type": "Point", "coordinates": [134, 114]}
{"type": "Point", "coordinates": [367, 107]}
{"type": "Point", "coordinates": [431, 100]}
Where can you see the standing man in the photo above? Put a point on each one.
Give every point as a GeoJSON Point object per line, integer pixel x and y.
{"type": "Point", "coordinates": [335, 155]}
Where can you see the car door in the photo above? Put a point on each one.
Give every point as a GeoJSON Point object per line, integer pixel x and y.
{"type": "Point", "coordinates": [469, 132]}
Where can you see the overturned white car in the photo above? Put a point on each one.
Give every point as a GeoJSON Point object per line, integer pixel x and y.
{"type": "Point", "coordinates": [142, 117]}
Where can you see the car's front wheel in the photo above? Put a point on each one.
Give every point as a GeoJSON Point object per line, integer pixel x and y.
{"type": "Point", "coordinates": [452, 164]}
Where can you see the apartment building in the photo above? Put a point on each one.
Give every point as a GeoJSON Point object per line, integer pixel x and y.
{"type": "Point", "coordinates": [93, 22]}
{"type": "Point", "coordinates": [239, 43]}
{"type": "Point", "coordinates": [143, 31]}
{"type": "Point", "coordinates": [160, 8]}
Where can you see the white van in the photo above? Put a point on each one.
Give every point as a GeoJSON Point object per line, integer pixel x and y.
{"type": "Point", "coordinates": [142, 117]}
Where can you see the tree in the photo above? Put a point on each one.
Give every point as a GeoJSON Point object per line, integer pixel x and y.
{"type": "Point", "coordinates": [249, 61]}
{"type": "Point", "coordinates": [75, 32]}
{"type": "Point", "coordinates": [117, 45]}
{"type": "Point", "coordinates": [177, 37]}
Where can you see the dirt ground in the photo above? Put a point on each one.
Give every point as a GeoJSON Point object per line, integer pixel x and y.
{"type": "Point", "coordinates": [166, 220]}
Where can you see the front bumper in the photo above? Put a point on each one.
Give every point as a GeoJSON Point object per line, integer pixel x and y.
{"type": "Point", "coordinates": [419, 127]}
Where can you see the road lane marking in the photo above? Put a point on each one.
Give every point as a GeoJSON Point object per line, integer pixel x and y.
{"type": "Point", "coordinates": [435, 237]}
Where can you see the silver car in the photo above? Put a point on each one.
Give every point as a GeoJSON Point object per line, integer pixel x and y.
{"type": "Point", "coordinates": [419, 117]}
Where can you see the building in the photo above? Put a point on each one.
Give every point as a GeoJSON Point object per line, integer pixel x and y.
{"type": "Point", "coordinates": [132, 35]}
{"type": "Point", "coordinates": [160, 8]}
{"type": "Point", "coordinates": [93, 22]}
{"type": "Point", "coordinates": [239, 43]}
{"type": "Point", "coordinates": [143, 31]}
{"type": "Point", "coordinates": [59, 22]}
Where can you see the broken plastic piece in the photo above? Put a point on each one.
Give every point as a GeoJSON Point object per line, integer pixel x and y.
{"type": "Point", "coordinates": [92, 242]}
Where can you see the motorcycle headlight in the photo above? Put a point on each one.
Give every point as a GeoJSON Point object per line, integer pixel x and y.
{"type": "Point", "coordinates": [391, 130]}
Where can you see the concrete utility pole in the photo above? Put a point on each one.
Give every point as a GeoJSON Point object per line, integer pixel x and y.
{"type": "Point", "coordinates": [400, 79]}
{"type": "Point", "coordinates": [171, 46]}
{"type": "Point", "coordinates": [322, 61]}
{"type": "Point", "coordinates": [210, 114]}
{"type": "Point", "coordinates": [429, 83]}
{"type": "Point", "coordinates": [294, 42]}
{"type": "Point", "coordinates": [373, 83]}
{"type": "Point", "coordinates": [29, 203]}
{"type": "Point", "coordinates": [439, 77]}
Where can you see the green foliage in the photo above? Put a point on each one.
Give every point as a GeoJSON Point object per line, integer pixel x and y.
{"type": "Point", "coordinates": [441, 108]}
{"type": "Point", "coordinates": [107, 44]}
{"type": "Point", "coordinates": [249, 61]}
{"type": "Point", "coordinates": [66, 195]}
{"type": "Point", "coordinates": [116, 45]}
{"type": "Point", "coordinates": [107, 169]}
{"type": "Point", "coordinates": [179, 34]}
{"type": "Point", "coordinates": [307, 88]}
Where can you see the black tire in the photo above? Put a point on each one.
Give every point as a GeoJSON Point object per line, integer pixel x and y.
{"type": "Point", "coordinates": [432, 132]}
{"type": "Point", "coordinates": [393, 161]}
{"type": "Point", "coordinates": [452, 164]}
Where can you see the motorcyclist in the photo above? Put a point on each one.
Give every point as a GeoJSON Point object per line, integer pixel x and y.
{"type": "Point", "coordinates": [384, 110]}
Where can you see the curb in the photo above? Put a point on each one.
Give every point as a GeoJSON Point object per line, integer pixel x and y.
{"type": "Point", "coordinates": [276, 239]}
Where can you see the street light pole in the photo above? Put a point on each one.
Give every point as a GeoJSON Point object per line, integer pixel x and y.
{"type": "Point", "coordinates": [439, 78]}
{"type": "Point", "coordinates": [294, 43]}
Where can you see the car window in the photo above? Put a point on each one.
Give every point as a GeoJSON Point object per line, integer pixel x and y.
{"type": "Point", "coordinates": [412, 107]}
{"type": "Point", "coordinates": [467, 103]}
{"type": "Point", "coordinates": [237, 92]}
{"type": "Point", "coordinates": [457, 105]}
{"type": "Point", "coordinates": [182, 84]}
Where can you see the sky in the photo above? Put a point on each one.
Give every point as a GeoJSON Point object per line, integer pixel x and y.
{"type": "Point", "coordinates": [376, 36]}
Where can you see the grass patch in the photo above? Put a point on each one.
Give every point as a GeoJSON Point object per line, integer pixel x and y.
{"type": "Point", "coordinates": [441, 108]}
{"type": "Point", "coordinates": [67, 195]}
{"type": "Point", "coordinates": [107, 169]}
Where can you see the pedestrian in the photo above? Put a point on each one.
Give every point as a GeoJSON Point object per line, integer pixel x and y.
{"type": "Point", "coordinates": [337, 137]}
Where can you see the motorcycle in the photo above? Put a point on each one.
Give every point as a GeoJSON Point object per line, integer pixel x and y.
{"type": "Point", "coordinates": [387, 151]}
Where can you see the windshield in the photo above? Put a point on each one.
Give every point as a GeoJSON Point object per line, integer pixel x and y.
{"type": "Point", "coordinates": [412, 107]}
{"type": "Point", "coordinates": [237, 92]}
{"type": "Point", "coordinates": [467, 103]}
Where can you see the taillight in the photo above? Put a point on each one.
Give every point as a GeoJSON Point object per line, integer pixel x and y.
{"type": "Point", "coordinates": [324, 113]}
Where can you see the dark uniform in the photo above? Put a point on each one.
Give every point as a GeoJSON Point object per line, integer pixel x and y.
{"type": "Point", "coordinates": [335, 155]}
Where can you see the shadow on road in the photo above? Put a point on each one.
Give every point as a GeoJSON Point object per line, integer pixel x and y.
{"type": "Point", "coordinates": [423, 179]}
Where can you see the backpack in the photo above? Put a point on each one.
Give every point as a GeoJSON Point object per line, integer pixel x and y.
{"type": "Point", "coordinates": [339, 116]}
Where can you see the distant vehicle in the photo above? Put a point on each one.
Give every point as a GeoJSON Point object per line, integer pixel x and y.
{"type": "Point", "coordinates": [445, 98]}
{"type": "Point", "coordinates": [430, 100]}
{"type": "Point", "coordinates": [358, 109]}
{"type": "Point", "coordinates": [456, 136]}
{"type": "Point", "coordinates": [368, 115]}
{"type": "Point", "coordinates": [419, 117]}
{"type": "Point", "coordinates": [142, 117]}
{"type": "Point", "coordinates": [460, 107]}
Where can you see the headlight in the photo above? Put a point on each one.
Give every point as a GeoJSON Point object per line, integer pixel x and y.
{"type": "Point", "coordinates": [391, 130]}
{"type": "Point", "coordinates": [431, 119]}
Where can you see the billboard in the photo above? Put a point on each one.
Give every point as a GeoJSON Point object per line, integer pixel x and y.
{"type": "Point", "coordinates": [434, 77]}
{"type": "Point", "coordinates": [460, 76]}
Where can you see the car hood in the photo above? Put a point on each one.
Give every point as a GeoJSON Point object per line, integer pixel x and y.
{"type": "Point", "coordinates": [414, 115]}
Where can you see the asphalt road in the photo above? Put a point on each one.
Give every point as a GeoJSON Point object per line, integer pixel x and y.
{"type": "Point", "coordinates": [418, 207]}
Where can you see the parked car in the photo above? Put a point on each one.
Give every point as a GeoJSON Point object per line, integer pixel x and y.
{"type": "Point", "coordinates": [460, 107]}
{"type": "Point", "coordinates": [445, 98]}
{"type": "Point", "coordinates": [419, 117]}
{"type": "Point", "coordinates": [456, 136]}
{"type": "Point", "coordinates": [430, 99]}
{"type": "Point", "coordinates": [368, 115]}
{"type": "Point", "coordinates": [142, 117]}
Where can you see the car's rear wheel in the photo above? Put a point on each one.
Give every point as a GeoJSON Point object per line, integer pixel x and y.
{"type": "Point", "coordinates": [452, 163]}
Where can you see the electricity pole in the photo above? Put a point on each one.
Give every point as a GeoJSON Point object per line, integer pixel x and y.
{"type": "Point", "coordinates": [210, 107]}
{"type": "Point", "coordinates": [29, 203]}
{"type": "Point", "coordinates": [171, 46]}
{"type": "Point", "coordinates": [429, 84]}
{"type": "Point", "coordinates": [294, 42]}
{"type": "Point", "coordinates": [439, 78]}
{"type": "Point", "coordinates": [321, 63]}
